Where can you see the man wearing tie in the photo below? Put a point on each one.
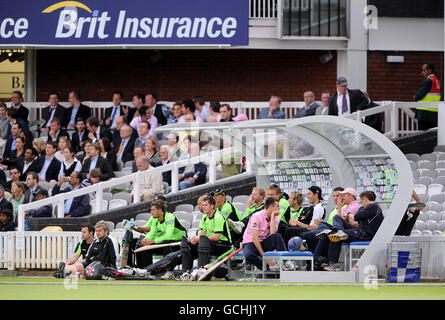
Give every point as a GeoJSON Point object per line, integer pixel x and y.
{"type": "Point", "coordinates": [74, 207]}
{"type": "Point", "coordinates": [112, 113]}
{"type": "Point", "coordinates": [96, 131]}
{"type": "Point", "coordinates": [32, 181]}
{"type": "Point", "coordinates": [346, 101]}
{"type": "Point", "coordinates": [53, 110]}
{"type": "Point", "coordinates": [124, 149]}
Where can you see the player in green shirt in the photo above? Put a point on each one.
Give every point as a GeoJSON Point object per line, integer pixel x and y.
{"type": "Point", "coordinates": [164, 228]}
{"type": "Point", "coordinates": [227, 210]}
{"type": "Point", "coordinates": [213, 237]}
{"type": "Point", "coordinates": [274, 191]}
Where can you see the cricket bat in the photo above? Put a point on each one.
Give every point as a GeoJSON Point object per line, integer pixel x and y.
{"type": "Point", "coordinates": [219, 258]}
{"type": "Point", "coordinates": [156, 246]}
{"type": "Point", "coordinates": [216, 265]}
{"type": "Point", "coordinates": [125, 248]}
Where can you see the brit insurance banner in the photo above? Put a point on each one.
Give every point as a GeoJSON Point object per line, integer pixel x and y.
{"type": "Point", "coordinates": [120, 22]}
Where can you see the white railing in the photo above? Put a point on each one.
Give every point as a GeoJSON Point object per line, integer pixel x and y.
{"type": "Point", "coordinates": [398, 116]}
{"type": "Point", "coordinates": [39, 250]}
{"type": "Point", "coordinates": [210, 158]}
{"type": "Point", "coordinates": [264, 9]}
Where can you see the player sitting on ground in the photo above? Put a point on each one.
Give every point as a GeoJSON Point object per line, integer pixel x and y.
{"type": "Point", "coordinates": [80, 251]}
{"type": "Point", "coordinates": [262, 234]}
{"type": "Point", "coordinates": [213, 239]}
{"type": "Point", "coordinates": [365, 224]}
{"type": "Point", "coordinates": [165, 228]}
{"type": "Point", "coordinates": [101, 249]}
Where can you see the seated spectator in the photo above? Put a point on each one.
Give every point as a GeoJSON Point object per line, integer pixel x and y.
{"type": "Point", "coordinates": [45, 211]}
{"type": "Point", "coordinates": [116, 131]}
{"type": "Point", "coordinates": [273, 111]}
{"type": "Point", "coordinates": [108, 152]}
{"type": "Point", "coordinates": [31, 162]}
{"type": "Point", "coordinates": [160, 111]}
{"type": "Point", "coordinates": [40, 145]}
{"type": "Point", "coordinates": [16, 103]}
{"type": "Point", "coordinates": [11, 116]}
{"type": "Point", "coordinates": [17, 197]}
{"type": "Point", "coordinates": [201, 110]}
{"type": "Point", "coordinates": [144, 133]}
{"type": "Point", "coordinates": [6, 220]}
{"type": "Point", "coordinates": [151, 185]}
{"type": "Point", "coordinates": [74, 207]}
{"type": "Point", "coordinates": [56, 131]}
{"type": "Point", "coordinates": [310, 106]}
{"type": "Point", "coordinates": [117, 110]}
{"type": "Point", "coordinates": [79, 136]}
{"type": "Point", "coordinates": [165, 157]}
{"type": "Point", "coordinates": [175, 114]}
{"type": "Point", "coordinates": [95, 177]}
{"type": "Point", "coordinates": [240, 117]}
{"type": "Point", "coordinates": [172, 144]}
{"type": "Point", "coordinates": [95, 160]}
{"type": "Point", "coordinates": [145, 115]}
{"type": "Point", "coordinates": [70, 164]}
{"type": "Point", "coordinates": [86, 147]}
{"type": "Point", "coordinates": [63, 143]}
{"type": "Point", "coordinates": [15, 176]}
{"type": "Point", "coordinates": [323, 110]}
{"type": "Point", "coordinates": [213, 237]}
{"type": "Point", "coordinates": [76, 111]}
{"type": "Point", "coordinates": [188, 108]}
{"type": "Point", "coordinates": [96, 131]}
{"type": "Point", "coordinates": [138, 151]}
{"type": "Point", "coordinates": [16, 154]}
{"type": "Point", "coordinates": [152, 151]}
{"type": "Point", "coordinates": [194, 174]}
{"type": "Point", "coordinates": [215, 115]}
{"type": "Point", "coordinates": [51, 166]}
{"type": "Point", "coordinates": [226, 113]}
{"type": "Point", "coordinates": [32, 182]}
{"type": "Point", "coordinates": [262, 235]}
{"type": "Point", "coordinates": [125, 146]}
{"type": "Point", "coordinates": [101, 249]}
{"type": "Point", "coordinates": [4, 203]}
{"type": "Point", "coordinates": [79, 252]}
{"type": "Point", "coordinates": [3, 126]}
{"type": "Point", "coordinates": [54, 110]}
{"type": "Point", "coordinates": [366, 223]}
{"type": "Point", "coordinates": [138, 101]}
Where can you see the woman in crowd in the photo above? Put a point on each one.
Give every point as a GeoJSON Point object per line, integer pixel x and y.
{"type": "Point", "coordinates": [70, 164]}
{"type": "Point", "coordinates": [17, 196]}
{"type": "Point", "coordinates": [152, 151]}
{"type": "Point", "coordinates": [39, 145]}
{"type": "Point", "coordinates": [107, 152]}
{"type": "Point", "coordinates": [16, 154]}
{"type": "Point", "coordinates": [63, 143]}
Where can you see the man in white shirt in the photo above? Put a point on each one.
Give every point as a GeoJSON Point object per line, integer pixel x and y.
{"type": "Point", "coordinates": [201, 109]}
{"type": "Point", "coordinates": [323, 110]}
{"type": "Point", "coordinates": [151, 185]}
{"type": "Point", "coordinates": [346, 101]}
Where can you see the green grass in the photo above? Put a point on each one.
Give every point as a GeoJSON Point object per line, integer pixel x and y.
{"type": "Point", "coordinates": [145, 290]}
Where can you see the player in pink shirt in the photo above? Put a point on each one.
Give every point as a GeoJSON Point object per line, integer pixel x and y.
{"type": "Point", "coordinates": [262, 235]}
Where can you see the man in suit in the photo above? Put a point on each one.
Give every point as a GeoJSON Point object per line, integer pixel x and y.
{"type": "Point", "coordinates": [77, 206]}
{"type": "Point", "coordinates": [51, 166]}
{"type": "Point", "coordinates": [346, 101]}
{"type": "Point", "coordinates": [113, 112]}
{"type": "Point", "coordinates": [32, 181]}
{"type": "Point", "coordinates": [30, 163]}
{"type": "Point", "coordinates": [11, 116]}
{"type": "Point", "coordinates": [97, 131]}
{"type": "Point", "coordinates": [124, 148]}
{"type": "Point", "coordinates": [158, 110]}
{"type": "Point", "coordinates": [4, 124]}
{"type": "Point", "coordinates": [4, 204]}
{"type": "Point", "coordinates": [56, 131]}
{"type": "Point", "coordinates": [138, 101]}
{"type": "Point", "coordinates": [54, 110]}
{"type": "Point", "coordinates": [79, 136]}
{"type": "Point", "coordinates": [10, 142]}
{"type": "Point", "coordinates": [16, 102]}
{"type": "Point", "coordinates": [310, 106]}
{"type": "Point", "coordinates": [144, 133]}
{"type": "Point", "coordinates": [76, 111]}
{"type": "Point", "coordinates": [95, 160]}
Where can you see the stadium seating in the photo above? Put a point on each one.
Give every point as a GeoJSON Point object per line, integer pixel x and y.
{"type": "Point", "coordinates": [241, 199]}
{"type": "Point", "coordinates": [184, 207]}
{"type": "Point", "coordinates": [110, 225]}
{"type": "Point", "coordinates": [103, 207]}
{"type": "Point", "coordinates": [182, 215]}
{"type": "Point", "coordinates": [123, 195]}
{"type": "Point", "coordinates": [185, 223]}
{"type": "Point", "coordinates": [143, 216]}
{"type": "Point", "coordinates": [412, 156]}
{"type": "Point", "coordinates": [117, 203]}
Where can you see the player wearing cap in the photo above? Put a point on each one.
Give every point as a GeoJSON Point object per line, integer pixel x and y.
{"type": "Point", "coordinates": [41, 212]}
{"type": "Point", "coordinates": [310, 217]}
{"type": "Point", "coordinates": [274, 191]}
{"type": "Point", "coordinates": [346, 101]}
{"type": "Point", "coordinates": [213, 238]}
{"type": "Point", "coordinates": [165, 228]}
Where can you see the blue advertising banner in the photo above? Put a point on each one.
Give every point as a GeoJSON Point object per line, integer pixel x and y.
{"type": "Point", "coordinates": [134, 22]}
